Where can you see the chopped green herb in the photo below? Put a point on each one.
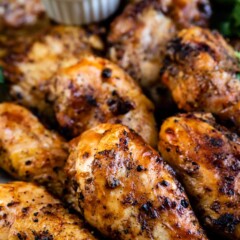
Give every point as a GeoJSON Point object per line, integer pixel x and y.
{"type": "Point", "coordinates": [1, 75]}
{"type": "Point", "coordinates": [238, 76]}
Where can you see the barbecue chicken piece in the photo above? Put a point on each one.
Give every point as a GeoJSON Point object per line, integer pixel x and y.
{"type": "Point", "coordinates": [20, 13]}
{"type": "Point", "coordinates": [28, 151]}
{"type": "Point", "coordinates": [30, 212]}
{"type": "Point", "coordinates": [138, 37]}
{"type": "Point", "coordinates": [201, 70]}
{"type": "Point", "coordinates": [97, 91]}
{"type": "Point", "coordinates": [206, 157]}
{"type": "Point", "coordinates": [29, 65]}
{"type": "Point", "coordinates": [124, 189]}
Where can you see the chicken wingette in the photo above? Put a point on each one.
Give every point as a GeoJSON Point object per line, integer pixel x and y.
{"type": "Point", "coordinates": [138, 37]}
{"type": "Point", "coordinates": [124, 188]}
{"type": "Point", "coordinates": [28, 151]}
{"type": "Point", "coordinates": [202, 72]}
{"type": "Point", "coordinates": [95, 91]}
{"type": "Point", "coordinates": [206, 157]}
{"type": "Point", "coordinates": [29, 64]}
{"type": "Point", "coordinates": [29, 212]}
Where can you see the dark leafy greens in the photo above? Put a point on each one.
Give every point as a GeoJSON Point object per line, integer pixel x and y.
{"type": "Point", "coordinates": [1, 75]}
{"type": "Point", "coordinates": [227, 17]}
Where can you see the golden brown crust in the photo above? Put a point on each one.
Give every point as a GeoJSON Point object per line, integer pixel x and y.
{"type": "Point", "coordinates": [124, 189]}
{"type": "Point", "coordinates": [97, 91]}
{"type": "Point", "coordinates": [28, 151]}
{"type": "Point", "coordinates": [201, 72]}
{"type": "Point", "coordinates": [207, 158]}
{"type": "Point", "coordinates": [28, 65]}
{"type": "Point", "coordinates": [138, 37]}
{"type": "Point", "coordinates": [29, 212]}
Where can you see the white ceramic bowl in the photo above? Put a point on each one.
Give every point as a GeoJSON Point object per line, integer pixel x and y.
{"type": "Point", "coordinates": [77, 12]}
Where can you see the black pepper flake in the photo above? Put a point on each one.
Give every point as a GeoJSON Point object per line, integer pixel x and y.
{"type": "Point", "coordinates": [184, 203]}
{"type": "Point", "coordinates": [113, 183]}
{"type": "Point", "coordinates": [146, 206]}
{"type": "Point", "coordinates": [107, 73]}
{"type": "Point", "coordinates": [21, 236]}
{"type": "Point", "coordinates": [27, 163]}
{"type": "Point", "coordinates": [149, 210]}
{"type": "Point", "coordinates": [168, 149]}
{"type": "Point", "coordinates": [164, 183]}
{"type": "Point", "coordinates": [19, 96]}
{"type": "Point", "coordinates": [140, 168]}
{"type": "Point", "coordinates": [35, 220]}
{"type": "Point", "coordinates": [56, 169]}
{"type": "Point", "coordinates": [25, 210]}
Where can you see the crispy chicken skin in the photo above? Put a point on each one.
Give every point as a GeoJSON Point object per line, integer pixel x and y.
{"type": "Point", "coordinates": [19, 13]}
{"type": "Point", "coordinates": [97, 91]}
{"type": "Point", "coordinates": [28, 151]}
{"type": "Point", "coordinates": [138, 37]}
{"type": "Point", "coordinates": [206, 157]}
{"type": "Point", "coordinates": [27, 66]}
{"type": "Point", "coordinates": [124, 189]}
{"type": "Point", "coordinates": [29, 212]}
{"type": "Point", "coordinates": [201, 72]}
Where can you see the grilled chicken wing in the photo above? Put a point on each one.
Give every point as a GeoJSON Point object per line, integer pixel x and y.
{"type": "Point", "coordinates": [28, 151]}
{"type": "Point", "coordinates": [201, 72]}
{"type": "Point", "coordinates": [18, 13]}
{"type": "Point", "coordinates": [97, 91]}
{"type": "Point", "coordinates": [138, 37]}
{"type": "Point", "coordinates": [207, 158]}
{"type": "Point", "coordinates": [29, 212]}
{"type": "Point", "coordinates": [29, 65]}
{"type": "Point", "coordinates": [125, 190]}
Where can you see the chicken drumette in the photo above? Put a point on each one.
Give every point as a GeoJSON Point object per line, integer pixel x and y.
{"type": "Point", "coordinates": [28, 151]}
{"type": "Point", "coordinates": [202, 72]}
{"type": "Point", "coordinates": [97, 91]}
{"type": "Point", "coordinates": [29, 212]}
{"type": "Point", "coordinates": [206, 157]}
{"type": "Point", "coordinates": [124, 188]}
{"type": "Point", "coordinates": [28, 64]}
{"type": "Point", "coordinates": [119, 183]}
{"type": "Point", "coordinates": [138, 37]}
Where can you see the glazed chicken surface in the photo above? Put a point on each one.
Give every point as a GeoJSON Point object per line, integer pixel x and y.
{"type": "Point", "coordinates": [28, 151]}
{"type": "Point", "coordinates": [201, 70]}
{"type": "Point", "coordinates": [206, 157]}
{"type": "Point", "coordinates": [124, 188]}
{"type": "Point", "coordinates": [95, 91]}
{"type": "Point", "coordinates": [138, 37]}
{"type": "Point", "coordinates": [29, 212]}
{"type": "Point", "coordinates": [19, 13]}
{"type": "Point", "coordinates": [27, 66]}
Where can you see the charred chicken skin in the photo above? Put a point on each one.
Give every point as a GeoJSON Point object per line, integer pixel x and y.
{"type": "Point", "coordinates": [28, 151]}
{"type": "Point", "coordinates": [95, 91]}
{"type": "Point", "coordinates": [124, 189]}
{"type": "Point", "coordinates": [29, 212]}
{"type": "Point", "coordinates": [27, 66]}
{"type": "Point", "coordinates": [201, 71]}
{"type": "Point", "coordinates": [138, 37]}
{"type": "Point", "coordinates": [206, 157]}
